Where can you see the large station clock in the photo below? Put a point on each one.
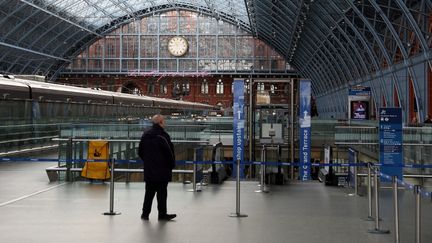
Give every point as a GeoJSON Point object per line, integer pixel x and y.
{"type": "Point", "coordinates": [178, 46]}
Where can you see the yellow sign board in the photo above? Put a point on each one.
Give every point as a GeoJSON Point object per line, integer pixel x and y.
{"type": "Point", "coordinates": [97, 150]}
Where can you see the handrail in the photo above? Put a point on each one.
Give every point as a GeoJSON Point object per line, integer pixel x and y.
{"type": "Point", "coordinates": [126, 140]}
{"type": "Point", "coordinates": [28, 139]}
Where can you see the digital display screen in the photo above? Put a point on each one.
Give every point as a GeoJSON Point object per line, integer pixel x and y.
{"type": "Point", "coordinates": [360, 110]}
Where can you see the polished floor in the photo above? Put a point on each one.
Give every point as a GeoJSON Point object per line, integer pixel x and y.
{"type": "Point", "coordinates": [34, 210]}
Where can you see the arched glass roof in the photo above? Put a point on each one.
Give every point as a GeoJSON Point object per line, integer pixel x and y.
{"type": "Point", "coordinates": [96, 13]}
{"type": "Point", "coordinates": [40, 37]}
{"type": "Point", "coordinates": [333, 42]}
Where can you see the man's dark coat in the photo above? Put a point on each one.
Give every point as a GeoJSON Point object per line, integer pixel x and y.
{"type": "Point", "coordinates": [157, 152]}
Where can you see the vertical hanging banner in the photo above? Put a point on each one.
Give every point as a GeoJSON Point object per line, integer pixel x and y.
{"type": "Point", "coordinates": [391, 141]}
{"type": "Point", "coordinates": [238, 125]}
{"type": "Point", "coordinates": [305, 129]}
{"type": "Point", "coordinates": [99, 170]}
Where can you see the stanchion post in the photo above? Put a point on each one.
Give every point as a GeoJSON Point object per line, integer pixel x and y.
{"type": "Point", "coordinates": [369, 192]}
{"type": "Point", "coordinates": [237, 213]}
{"type": "Point", "coordinates": [194, 176]}
{"type": "Point", "coordinates": [355, 179]}
{"type": "Point", "coordinates": [377, 229]}
{"type": "Point", "coordinates": [417, 191]}
{"type": "Point", "coordinates": [396, 208]}
{"type": "Point", "coordinates": [355, 182]}
{"type": "Point", "coordinates": [111, 209]}
{"type": "Point", "coordinates": [69, 155]}
{"type": "Point", "coordinates": [263, 171]}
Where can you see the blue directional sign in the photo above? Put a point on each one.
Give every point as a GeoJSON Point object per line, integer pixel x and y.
{"type": "Point", "coordinates": [391, 141]}
{"type": "Point", "coordinates": [238, 125]}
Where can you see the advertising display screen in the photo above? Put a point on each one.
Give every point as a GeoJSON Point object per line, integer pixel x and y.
{"type": "Point", "coordinates": [359, 110]}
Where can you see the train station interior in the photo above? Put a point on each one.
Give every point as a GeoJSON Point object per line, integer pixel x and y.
{"type": "Point", "coordinates": [292, 120]}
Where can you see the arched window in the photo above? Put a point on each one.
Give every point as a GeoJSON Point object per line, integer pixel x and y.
{"type": "Point", "coordinates": [204, 87]}
{"type": "Point", "coordinates": [130, 88]}
{"type": "Point", "coordinates": [185, 88]}
{"type": "Point", "coordinates": [180, 89]}
{"type": "Point", "coordinates": [219, 87]}
{"type": "Point", "coordinates": [150, 88]}
{"type": "Point", "coordinates": [163, 88]}
{"type": "Point", "coordinates": [260, 87]}
{"type": "Point", "coordinates": [286, 88]}
{"type": "Point", "coordinates": [273, 88]}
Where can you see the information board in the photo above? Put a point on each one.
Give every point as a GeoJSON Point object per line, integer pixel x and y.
{"type": "Point", "coordinates": [391, 141]}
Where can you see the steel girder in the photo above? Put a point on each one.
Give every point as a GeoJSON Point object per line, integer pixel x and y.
{"type": "Point", "coordinates": [402, 47]}
{"type": "Point", "coordinates": [317, 71]}
{"type": "Point", "coordinates": [377, 39]}
{"type": "Point", "coordinates": [275, 22]}
{"type": "Point", "coordinates": [399, 45]}
{"type": "Point", "coordinates": [52, 11]}
{"type": "Point", "coordinates": [323, 59]}
{"type": "Point", "coordinates": [374, 57]}
{"type": "Point", "coordinates": [414, 25]}
{"type": "Point", "coordinates": [358, 29]}
{"type": "Point", "coordinates": [315, 34]}
{"type": "Point", "coordinates": [337, 58]}
{"type": "Point", "coordinates": [357, 60]}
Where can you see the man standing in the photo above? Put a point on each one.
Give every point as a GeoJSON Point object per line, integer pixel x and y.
{"type": "Point", "coordinates": [157, 152]}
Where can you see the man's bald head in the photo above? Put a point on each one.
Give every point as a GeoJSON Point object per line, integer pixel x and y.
{"type": "Point", "coordinates": [159, 120]}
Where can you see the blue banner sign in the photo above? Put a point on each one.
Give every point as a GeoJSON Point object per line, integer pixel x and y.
{"type": "Point", "coordinates": [390, 137]}
{"type": "Point", "coordinates": [238, 125]}
{"type": "Point", "coordinates": [359, 91]}
{"type": "Point", "coordinates": [305, 129]}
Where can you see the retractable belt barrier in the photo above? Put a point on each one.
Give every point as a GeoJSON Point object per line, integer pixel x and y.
{"type": "Point", "coordinates": [418, 192]}
{"type": "Point", "coordinates": [269, 163]}
{"type": "Point", "coordinates": [183, 162]}
{"type": "Point", "coordinates": [408, 186]}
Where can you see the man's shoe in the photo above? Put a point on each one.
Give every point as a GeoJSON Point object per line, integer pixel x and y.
{"type": "Point", "coordinates": [144, 217]}
{"type": "Point", "coordinates": [167, 217]}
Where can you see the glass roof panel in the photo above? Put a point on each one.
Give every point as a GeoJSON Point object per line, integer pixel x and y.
{"type": "Point", "coordinates": [100, 12]}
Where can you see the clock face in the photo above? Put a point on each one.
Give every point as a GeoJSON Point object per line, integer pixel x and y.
{"type": "Point", "coordinates": [178, 46]}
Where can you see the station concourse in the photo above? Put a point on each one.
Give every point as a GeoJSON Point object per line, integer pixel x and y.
{"type": "Point", "coordinates": [292, 121]}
